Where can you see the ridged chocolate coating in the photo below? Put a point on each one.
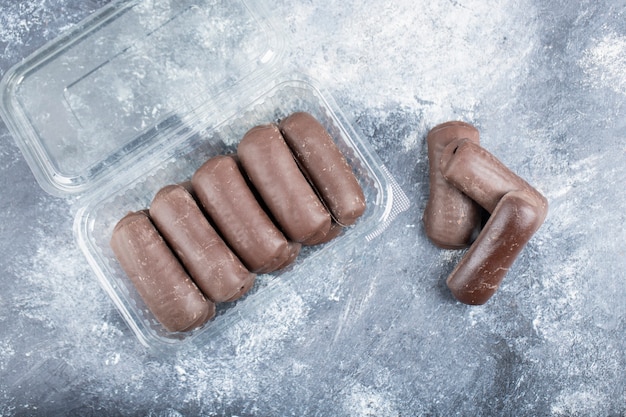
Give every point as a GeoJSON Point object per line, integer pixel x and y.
{"type": "Point", "coordinates": [517, 211]}
{"type": "Point", "coordinates": [158, 276]}
{"type": "Point", "coordinates": [223, 192]}
{"type": "Point", "coordinates": [451, 218]}
{"type": "Point", "coordinates": [209, 261]}
{"type": "Point", "coordinates": [270, 166]}
{"type": "Point", "coordinates": [325, 166]}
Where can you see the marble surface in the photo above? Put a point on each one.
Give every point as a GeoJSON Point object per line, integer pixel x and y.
{"type": "Point", "coordinates": [545, 83]}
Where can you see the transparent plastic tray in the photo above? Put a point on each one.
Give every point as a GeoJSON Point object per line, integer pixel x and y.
{"type": "Point", "coordinates": [138, 97]}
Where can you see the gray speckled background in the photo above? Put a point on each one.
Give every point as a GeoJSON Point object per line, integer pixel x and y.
{"type": "Point", "coordinates": [545, 82]}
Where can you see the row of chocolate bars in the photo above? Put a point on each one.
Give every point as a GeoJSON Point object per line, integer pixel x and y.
{"type": "Point", "coordinates": [203, 242]}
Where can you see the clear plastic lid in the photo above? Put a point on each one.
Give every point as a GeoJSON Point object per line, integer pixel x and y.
{"type": "Point", "coordinates": [94, 101]}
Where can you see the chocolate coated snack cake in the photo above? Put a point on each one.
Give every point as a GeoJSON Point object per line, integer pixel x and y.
{"type": "Point", "coordinates": [451, 219]}
{"type": "Point", "coordinates": [515, 219]}
{"type": "Point", "coordinates": [158, 276]}
{"type": "Point", "coordinates": [324, 166]}
{"type": "Point", "coordinates": [480, 175]}
{"type": "Point", "coordinates": [223, 192]}
{"type": "Point", "coordinates": [270, 166]}
{"type": "Point", "coordinates": [214, 268]}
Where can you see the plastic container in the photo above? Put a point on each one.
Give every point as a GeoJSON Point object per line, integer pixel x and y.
{"type": "Point", "coordinates": [138, 96]}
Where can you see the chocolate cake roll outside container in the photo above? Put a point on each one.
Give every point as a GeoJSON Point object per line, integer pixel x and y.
{"type": "Point", "coordinates": [211, 264]}
{"type": "Point", "coordinates": [480, 175]}
{"type": "Point", "coordinates": [268, 162]}
{"type": "Point", "coordinates": [451, 219]}
{"type": "Point", "coordinates": [158, 276]}
{"type": "Point", "coordinates": [223, 192]}
{"type": "Point", "coordinates": [517, 211]}
{"type": "Point", "coordinates": [514, 221]}
{"type": "Point", "coordinates": [324, 166]}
